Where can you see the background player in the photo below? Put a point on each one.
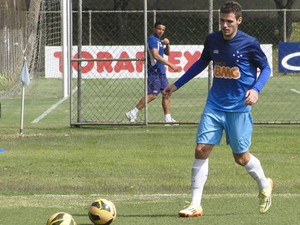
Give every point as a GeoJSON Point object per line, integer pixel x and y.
{"type": "Point", "coordinates": [157, 79]}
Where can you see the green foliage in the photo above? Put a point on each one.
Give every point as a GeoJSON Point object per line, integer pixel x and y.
{"type": "Point", "coordinates": [4, 81]}
{"type": "Point", "coordinates": [295, 37]}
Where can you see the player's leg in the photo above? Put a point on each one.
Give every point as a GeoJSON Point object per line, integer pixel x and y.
{"type": "Point", "coordinates": [209, 133]}
{"type": "Point", "coordinates": [199, 175]}
{"type": "Point", "coordinates": [239, 132]}
{"type": "Point", "coordinates": [166, 101]}
{"type": "Point", "coordinates": [153, 91]}
{"type": "Point", "coordinates": [166, 105]}
{"type": "Point", "coordinates": [132, 115]}
{"type": "Point", "coordinates": [141, 104]}
{"type": "Point", "coordinates": [255, 170]}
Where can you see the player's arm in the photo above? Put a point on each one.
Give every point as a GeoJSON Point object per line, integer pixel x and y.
{"type": "Point", "coordinates": [193, 71]}
{"type": "Point", "coordinates": [197, 67]}
{"type": "Point", "coordinates": [166, 43]}
{"type": "Point", "coordinates": [160, 59]}
{"type": "Point", "coordinates": [252, 94]}
{"type": "Point", "coordinates": [262, 78]}
{"type": "Point", "coordinates": [261, 62]}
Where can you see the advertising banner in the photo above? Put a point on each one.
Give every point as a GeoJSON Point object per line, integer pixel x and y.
{"type": "Point", "coordinates": [182, 55]}
{"type": "Point", "coordinates": [289, 57]}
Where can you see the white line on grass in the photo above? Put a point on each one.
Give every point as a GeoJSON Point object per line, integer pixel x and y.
{"type": "Point", "coordinates": [49, 110]}
{"type": "Point", "coordinates": [82, 200]}
{"type": "Point", "coordinates": [52, 108]}
{"type": "Point", "coordinates": [207, 196]}
{"type": "Point", "coordinates": [146, 196]}
{"type": "Point", "coordinates": [294, 90]}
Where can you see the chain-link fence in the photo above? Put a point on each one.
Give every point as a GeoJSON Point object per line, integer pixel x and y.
{"type": "Point", "coordinates": [112, 37]}
{"type": "Point", "coordinates": [106, 89]}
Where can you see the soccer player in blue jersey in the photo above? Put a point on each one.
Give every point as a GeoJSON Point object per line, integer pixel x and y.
{"type": "Point", "coordinates": [157, 79]}
{"type": "Point", "coordinates": [236, 57]}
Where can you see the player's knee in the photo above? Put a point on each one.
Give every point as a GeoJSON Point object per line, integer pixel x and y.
{"type": "Point", "coordinates": [203, 151]}
{"type": "Point", "coordinates": [239, 162]}
{"type": "Point", "coordinates": [151, 97]}
{"type": "Point", "coordinates": [242, 159]}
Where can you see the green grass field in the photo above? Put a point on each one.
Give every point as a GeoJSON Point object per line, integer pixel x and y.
{"type": "Point", "coordinates": [145, 171]}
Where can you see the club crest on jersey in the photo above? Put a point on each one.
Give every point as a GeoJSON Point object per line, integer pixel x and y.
{"type": "Point", "coordinates": [227, 72]}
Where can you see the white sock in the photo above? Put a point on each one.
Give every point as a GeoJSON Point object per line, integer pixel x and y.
{"type": "Point", "coordinates": [167, 116]}
{"type": "Point", "coordinates": [135, 111]}
{"type": "Point", "coordinates": [256, 171]}
{"type": "Point", "coordinates": [198, 179]}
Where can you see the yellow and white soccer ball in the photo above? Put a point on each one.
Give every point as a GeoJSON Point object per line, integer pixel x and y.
{"type": "Point", "coordinates": [102, 212]}
{"type": "Point", "coordinates": [61, 218]}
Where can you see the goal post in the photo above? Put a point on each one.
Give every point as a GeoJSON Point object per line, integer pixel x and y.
{"type": "Point", "coordinates": [66, 12]}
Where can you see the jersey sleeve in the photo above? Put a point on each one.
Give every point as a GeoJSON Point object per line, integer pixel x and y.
{"type": "Point", "coordinates": [196, 68]}
{"type": "Point", "coordinates": [193, 71]}
{"type": "Point", "coordinates": [260, 61]}
{"type": "Point", "coordinates": [152, 43]}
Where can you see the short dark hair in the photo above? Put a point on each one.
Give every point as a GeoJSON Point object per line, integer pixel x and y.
{"type": "Point", "coordinates": [157, 23]}
{"type": "Point", "coordinates": [232, 7]}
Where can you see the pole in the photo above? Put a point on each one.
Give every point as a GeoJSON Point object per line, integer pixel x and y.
{"type": "Point", "coordinates": [146, 60]}
{"type": "Point", "coordinates": [22, 110]}
{"type": "Point", "coordinates": [284, 25]}
{"type": "Point", "coordinates": [79, 72]}
{"type": "Point", "coordinates": [210, 27]}
{"type": "Point", "coordinates": [25, 79]}
{"type": "Point", "coordinates": [66, 11]}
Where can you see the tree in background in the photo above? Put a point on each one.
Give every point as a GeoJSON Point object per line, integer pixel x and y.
{"type": "Point", "coordinates": [120, 5]}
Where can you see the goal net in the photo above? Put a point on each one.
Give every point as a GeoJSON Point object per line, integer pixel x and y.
{"type": "Point", "coordinates": [43, 29]}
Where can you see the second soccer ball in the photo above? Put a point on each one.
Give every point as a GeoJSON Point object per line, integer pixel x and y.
{"type": "Point", "coordinates": [102, 212]}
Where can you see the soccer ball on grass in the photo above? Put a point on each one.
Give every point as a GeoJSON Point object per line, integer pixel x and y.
{"type": "Point", "coordinates": [102, 212]}
{"type": "Point", "coordinates": [61, 218]}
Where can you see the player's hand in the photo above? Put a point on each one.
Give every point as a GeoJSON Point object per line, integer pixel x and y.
{"type": "Point", "coordinates": [251, 97]}
{"type": "Point", "coordinates": [165, 41]}
{"type": "Point", "coordinates": [174, 67]}
{"type": "Point", "coordinates": [169, 90]}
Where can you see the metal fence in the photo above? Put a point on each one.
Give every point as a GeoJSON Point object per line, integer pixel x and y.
{"type": "Point", "coordinates": [105, 90]}
{"type": "Point", "coordinates": [109, 88]}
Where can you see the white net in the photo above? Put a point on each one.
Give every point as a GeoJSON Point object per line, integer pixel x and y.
{"type": "Point", "coordinates": [11, 40]}
{"type": "Point", "coordinates": [26, 26]}
{"type": "Point", "coordinates": [44, 29]}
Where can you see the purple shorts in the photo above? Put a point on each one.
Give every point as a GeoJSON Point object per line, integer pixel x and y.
{"type": "Point", "coordinates": [157, 83]}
